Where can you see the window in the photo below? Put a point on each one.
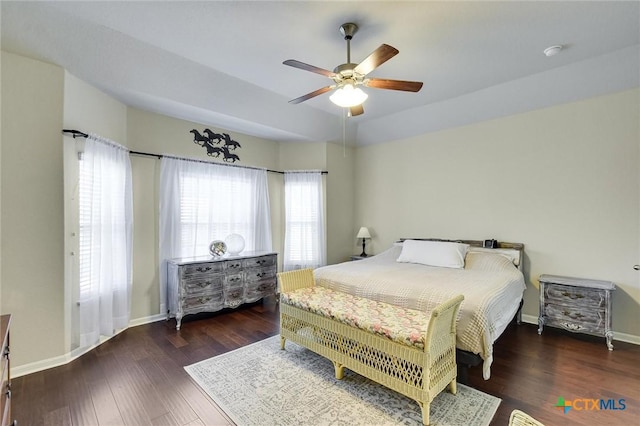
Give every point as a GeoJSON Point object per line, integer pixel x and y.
{"type": "Point", "coordinates": [105, 240]}
{"type": "Point", "coordinates": [305, 245]}
{"type": "Point", "coordinates": [211, 210]}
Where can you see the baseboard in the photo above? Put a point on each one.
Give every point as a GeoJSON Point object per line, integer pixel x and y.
{"type": "Point", "coordinates": [622, 337]}
{"type": "Point", "coordinates": [57, 361]}
{"type": "Point", "coordinates": [147, 320]}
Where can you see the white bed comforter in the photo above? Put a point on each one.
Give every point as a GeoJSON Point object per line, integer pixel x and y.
{"type": "Point", "coordinates": [492, 287]}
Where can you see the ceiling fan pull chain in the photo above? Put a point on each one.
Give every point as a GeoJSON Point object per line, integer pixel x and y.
{"type": "Point", "coordinates": [344, 133]}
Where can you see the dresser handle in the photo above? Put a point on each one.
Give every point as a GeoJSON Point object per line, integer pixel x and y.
{"type": "Point", "coordinates": [260, 262]}
{"type": "Point", "coordinates": [575, 317]}
{"type": "Point", "coordinates": [235, 265]}
{"type": "Point", "coordinates": [204, 284]}
{"type": "Point", "coordinates": [201, 269]}
{"type": "Point", "coordinates": [572, 296]}
{"type": "Point", "coordinates": [204, 300]}
{"type": "Point", "coordinates": [261, 274]}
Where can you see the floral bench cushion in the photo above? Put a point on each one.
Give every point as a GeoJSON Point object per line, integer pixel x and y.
{"type": "Point", "coordinates": [402, 325]}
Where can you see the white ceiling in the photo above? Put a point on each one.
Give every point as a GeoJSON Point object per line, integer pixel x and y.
{"type": "Point", "coordinates": [220, 62]}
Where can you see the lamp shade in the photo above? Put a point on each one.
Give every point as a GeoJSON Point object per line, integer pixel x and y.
{"type": "Point", "coordinates": [348, 96]}
{"type": "Point", "coordinates": [363, 233]}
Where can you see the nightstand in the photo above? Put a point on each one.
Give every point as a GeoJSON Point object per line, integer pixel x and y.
{"type": "Point", "coordinates": [576, 304]}
{"type": "Point", "coordinates": [358, 257]}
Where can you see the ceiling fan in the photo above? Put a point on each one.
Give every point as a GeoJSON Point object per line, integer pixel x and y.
{"type": "Point", "coordinates": [348, 76]}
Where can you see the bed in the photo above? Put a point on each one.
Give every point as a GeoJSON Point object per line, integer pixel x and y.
{"type": "Point", "coordinates": [490, 279]}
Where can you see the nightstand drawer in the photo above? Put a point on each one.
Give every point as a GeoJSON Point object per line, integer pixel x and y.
{"type": "Point", "coordinates": [589, 321]}
{"type": "Point", "coordinates": [575, 296]}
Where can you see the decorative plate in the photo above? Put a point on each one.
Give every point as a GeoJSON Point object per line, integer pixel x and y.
{"type": "Point", "coordinates": [217, 248]}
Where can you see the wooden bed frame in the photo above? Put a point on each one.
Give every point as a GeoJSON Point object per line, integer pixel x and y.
{"type": "Point", "coordinates": [465, 359]}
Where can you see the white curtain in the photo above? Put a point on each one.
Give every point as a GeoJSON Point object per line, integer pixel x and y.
{"type": "Point", "coordinates": [105, 241]}
{"type": "Point", "coordinates": [201, 202]}
{"type": "Point", "coordinates": [305, 240]}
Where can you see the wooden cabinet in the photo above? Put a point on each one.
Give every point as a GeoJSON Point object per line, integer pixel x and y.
{"type": "Point", "coordinates": [206, 284]}
{"type": "Point", "coordinates": [576, 304]}
{"type": "Point", "coordinates": [5, 398]}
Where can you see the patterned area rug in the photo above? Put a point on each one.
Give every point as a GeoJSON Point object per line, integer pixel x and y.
{"type": "Point", "coordinates": [261, 385]}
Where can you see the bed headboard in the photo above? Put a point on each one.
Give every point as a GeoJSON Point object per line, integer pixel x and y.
{"type": "Point", "coordinates": [513, 247]}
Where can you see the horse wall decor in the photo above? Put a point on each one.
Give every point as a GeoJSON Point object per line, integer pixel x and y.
{"type": "Point", "coordinates": [216, 144]}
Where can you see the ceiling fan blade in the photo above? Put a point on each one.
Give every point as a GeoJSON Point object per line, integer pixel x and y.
{"type": "Point", "coordinates": [311, 95]}
{"type": "Point", "coordinates": [307, 67]}
{"type": "Point", "coordinates": [379, 56]}
{"type": "Point", "coordinates": [382, 83]}
{"type": "Point", "coordinates": [356, 110]}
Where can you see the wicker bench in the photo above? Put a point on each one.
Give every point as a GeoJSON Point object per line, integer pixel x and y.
{"type": "Point", "coordinates": [408, 351]}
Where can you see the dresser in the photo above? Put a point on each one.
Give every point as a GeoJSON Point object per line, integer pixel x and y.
{"type": "Point", "coordinates": [576, 304]}
{"type": "Point", "coordinates": [207, 284]}
{"type": "Point", "coordinates": [5, 398]}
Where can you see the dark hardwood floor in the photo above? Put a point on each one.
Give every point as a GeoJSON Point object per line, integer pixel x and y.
{"type": "Point", "coordinates": [137, 377]}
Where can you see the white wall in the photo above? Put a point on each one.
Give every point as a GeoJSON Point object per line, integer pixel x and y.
{"type": "Point", "coordinates": [341, 229]}
{"type": "Point", "coordinates": [32, 206]}
{"type": "Point", "coordinates": [562, 180]}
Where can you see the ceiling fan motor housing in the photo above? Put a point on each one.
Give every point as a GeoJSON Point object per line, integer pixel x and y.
{"type": "Point", "coordinates": [348, 30]}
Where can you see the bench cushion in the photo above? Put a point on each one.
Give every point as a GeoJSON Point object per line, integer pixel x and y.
{"type": "Point", "coordinates": [402, 325]}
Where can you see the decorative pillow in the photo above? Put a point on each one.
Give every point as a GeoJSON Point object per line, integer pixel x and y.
{"type": "Point", "coordinates": [434, 253]}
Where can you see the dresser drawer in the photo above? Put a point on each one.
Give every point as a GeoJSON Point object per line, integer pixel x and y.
{"type": "Point", "coordinates": [262, 261]}
{"type": "Point", "coordinates": [203, 285]}
{"type": "Point", "coordinates": [203, 302]}
{"type": "Point", "coordinates": [234, 265]}
{"type": "Point", "coordinates": [201, 268]}
{"type": "Point", "coordinates": [584, 320]}
{"type": "Point", "coordinates": [234, 296]}
{"type": "Point", "coordinates": [235, 280]}
{"type": "Point", "coordinates": [575, 296]}
{"type": "Point", "coordinates": [4, 397]}
{"type": "Point", "coordinates": [259, 289]}
{"type": "Point", "coordinates": [259, 274]}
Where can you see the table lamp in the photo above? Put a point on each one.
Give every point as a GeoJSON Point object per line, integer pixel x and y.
{"type": "Point", "coordinates": [364, 234]}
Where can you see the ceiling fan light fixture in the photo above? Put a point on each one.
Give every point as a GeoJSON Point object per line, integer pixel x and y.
{"type": "Point", "coordinates": [348, 96]}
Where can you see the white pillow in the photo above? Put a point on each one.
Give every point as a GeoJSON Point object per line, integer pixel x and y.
{"type": "Point", "coordinates": [512, 254]}
{"type": "Point", "coordinates": [434, 253]}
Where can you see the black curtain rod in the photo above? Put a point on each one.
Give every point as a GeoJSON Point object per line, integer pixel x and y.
{"type": "Point", "coordinates": [79, 134]}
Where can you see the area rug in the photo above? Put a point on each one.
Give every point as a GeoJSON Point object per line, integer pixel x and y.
{"type": "Point", "coordinates": [260, 384]}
